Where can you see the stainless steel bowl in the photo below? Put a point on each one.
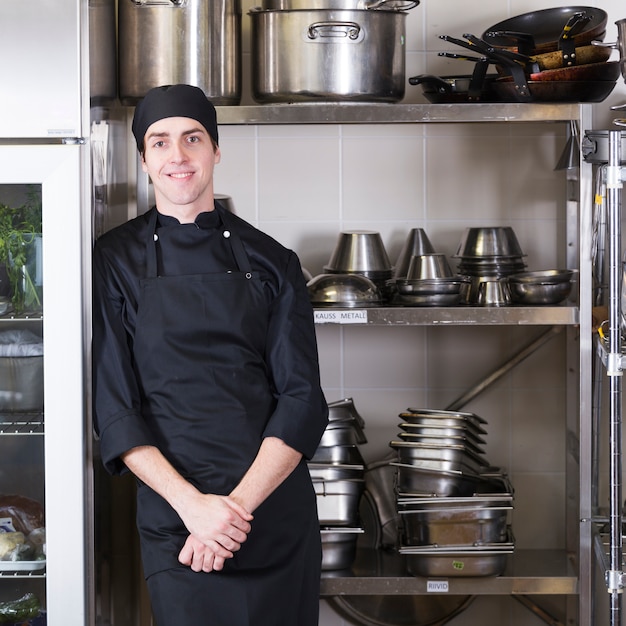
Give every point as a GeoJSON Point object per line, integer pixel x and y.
{"type": "Point", "coordinates": [489, 241]}
{"type": "Point", "coordinates": [540, 293]}
{"type": "Point", "coordinates": [428, 266]}
{"type": "Point", "coordinates": [433, 286]}
{"type": "Point", "coordinates": [362, 252]}
{"type": "Point", "coordinates": [417, 242]}
{"type": "Point", "coordinates": [543, 276]}
{"type": "Point", "coordinates": [343, 290]}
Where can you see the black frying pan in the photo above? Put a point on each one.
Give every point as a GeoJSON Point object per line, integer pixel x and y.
{"type": "Point", "coordinates": [545, 28]}
{"type": "Point", "coordinates": [556, 90]}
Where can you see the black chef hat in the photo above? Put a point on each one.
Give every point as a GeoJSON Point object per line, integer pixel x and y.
{"type": "Point", "coordinates": [173, 101]}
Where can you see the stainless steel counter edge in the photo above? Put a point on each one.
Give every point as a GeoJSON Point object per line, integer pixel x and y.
{"type": "Point", "coordinates": [381, 113]}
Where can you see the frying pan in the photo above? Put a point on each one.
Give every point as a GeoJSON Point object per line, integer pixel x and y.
{"type": "Point", "coordinates": [582, 56]}
{"type": "Point", "coordinates": [545, 28]}
{"type": "Point", "coordinates": [453, 89]}
{"type": "Point", "coordinates": [607, 71]}
{"type": "Point", "coordinates": [555, 90]}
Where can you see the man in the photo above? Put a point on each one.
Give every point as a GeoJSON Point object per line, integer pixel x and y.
{"type": "Point", "coordinates": [206, 387]}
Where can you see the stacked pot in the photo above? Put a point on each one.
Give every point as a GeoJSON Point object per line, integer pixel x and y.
{"type": "Point", "coordinates": [453, 506]}
{"type": "Point", "coordinates": [329, 50]}
{"type": "Point", "coordinates": [356, 274]}
{"type": "Point", "coordinates": [488, 255]}
{"type": "Point", "coordinates": [338, 473]}
{"type": "Point", "coordinates": [164, 42]}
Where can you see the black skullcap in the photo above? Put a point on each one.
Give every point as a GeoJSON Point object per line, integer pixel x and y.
{"type": "Point", "coordinates": [173, 101]}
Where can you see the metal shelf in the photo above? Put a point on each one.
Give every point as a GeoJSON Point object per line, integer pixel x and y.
{"type": "Point", "coordinates": [449, 316]}
{"type": "Point", "coordinates": [380, 572]}
{"type": "Point", "coordinates": [381, 113]}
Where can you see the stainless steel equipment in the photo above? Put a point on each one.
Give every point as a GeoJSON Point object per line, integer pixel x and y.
{"type": "Point", "coordinates": [328, 55]}
{"type": "Point", "coordinates": [167, 41]}
{"type": "Point", "coordinates": [102, 51]}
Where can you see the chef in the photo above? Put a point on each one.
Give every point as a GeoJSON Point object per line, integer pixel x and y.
{"type": "Point", "coordinates": [206, 388]}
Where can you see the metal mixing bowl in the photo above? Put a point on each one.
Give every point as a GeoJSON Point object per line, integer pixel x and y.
{"type": "Point", "coordinates": [360, 251]}
{"type": "Point", "coordinates": [343, 290]}
{"type": "Point", "coordinates": [539, 293]}
{"type": "Point", "coordinates": [489, 241]}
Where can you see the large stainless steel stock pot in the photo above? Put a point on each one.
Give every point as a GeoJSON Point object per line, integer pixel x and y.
{"type": "Point", "coordinates": [163, 42]}
{"type": "Point", "coordinates": [328, 55]}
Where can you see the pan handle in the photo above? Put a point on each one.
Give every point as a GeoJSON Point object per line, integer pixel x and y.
{"type": "Point", "coordinates": [525, 41]}
{"type": "Point", "coordinates": [605, 44]}
{"type": "Point", "coordinates": [442, 85]}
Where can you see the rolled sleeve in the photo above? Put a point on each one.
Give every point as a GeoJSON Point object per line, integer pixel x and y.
{"type": "Point", "coordinates": [116, 405]}
{"type": "Point", "coordinates": [301, 413]}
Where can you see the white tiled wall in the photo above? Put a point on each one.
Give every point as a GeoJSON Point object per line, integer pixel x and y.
{"type": "Point", "coordinates": [304, 184]}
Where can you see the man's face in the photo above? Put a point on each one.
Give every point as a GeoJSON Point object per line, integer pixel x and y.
{"type": "Point", "coordinates": [179, 157]}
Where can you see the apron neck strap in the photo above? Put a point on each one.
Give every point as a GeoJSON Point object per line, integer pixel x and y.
{"type": "Point", "coordinates": [243, 262]}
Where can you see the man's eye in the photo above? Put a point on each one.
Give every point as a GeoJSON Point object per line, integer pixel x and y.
{"type": "Point", "coordinates": [193, 139]}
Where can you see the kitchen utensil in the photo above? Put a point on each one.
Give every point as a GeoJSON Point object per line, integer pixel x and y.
{"type": "Point", "coordinates": [338, 501]}
{"type": "Point", "coordinates": [488, 241]}
{"type": "Point", "coordinates": [556, 91]}
{"type": "Point", "coordinates": [540, 293]}
{"type": "Point", "coordinates": [435, 440]}
{"type": "Point", "coordinates": [604, 71]}
{"type": "Point", "coordinates": [493, 292]}
{"type": "Point", "coordinates": [452, 89]}
{"type": "Point", "coordinates": [442, 431]}
{"type": "Point", "coordinates": [543, 276]}
{"type": "Point", "coordinates": [341, 408]}
{"type": "Point", "coordinates": [420, 480]}
{"type": "Point", "coordinates": [416, 242]}
{"type": "Point", "coordinates": [541, 287]}
{"type": "Point", "coordinates": [349, 5]}
{"type": "Point", "coordinates": [328, 55]}
{"type": "Point", "coordinates": [433, 286]}
{"type": "Point", "coordinates": [488, 559]}
{"type": "Point", "coordinates": [360, 251]}
{"type": "Point", "coordinates": [338, 455]}
{"type": "Point", "coordinates": [540, 31]}
{"type": "Point", "coordinates": [429, 266]}
{"type": "Point", "coordinates": [467, 521]}
{"type": "Point", "coordinates": [582, 55]}
{"type": "Point", "coordinates": [339, 547]}
{"type": "Point", "coordinates": [343, 290]}
{"type": "Point", "coordinates": [203, 43]}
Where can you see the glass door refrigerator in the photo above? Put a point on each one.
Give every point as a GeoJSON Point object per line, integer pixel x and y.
{"type": "Point", "coordinates": [45, 528]}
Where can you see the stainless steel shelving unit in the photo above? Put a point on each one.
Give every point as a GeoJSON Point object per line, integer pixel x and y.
{"type": "Point", "coordinates": [567, 572]}
{"type": "Point", "coordinates": [450, 316]}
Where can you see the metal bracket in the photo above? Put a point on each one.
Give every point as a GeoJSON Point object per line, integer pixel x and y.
{"type": "Point", "coordinates": [614, 581]}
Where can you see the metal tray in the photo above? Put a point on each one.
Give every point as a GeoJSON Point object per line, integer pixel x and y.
{"type": "Point", "coordinates": [21, 566]}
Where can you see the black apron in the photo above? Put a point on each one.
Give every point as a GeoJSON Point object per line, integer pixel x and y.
{"type": "Point", "coordinates": [199, 355]}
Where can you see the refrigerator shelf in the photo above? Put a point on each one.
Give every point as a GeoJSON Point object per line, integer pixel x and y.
{"type": "Point", "coordinates": [22, 424]}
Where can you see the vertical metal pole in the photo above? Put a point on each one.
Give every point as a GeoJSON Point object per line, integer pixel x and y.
{"type": "Point", "coordinates": [614, 372]}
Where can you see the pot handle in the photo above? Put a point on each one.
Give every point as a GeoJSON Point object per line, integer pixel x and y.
{"type": "Point", "coordinates": [397, 5]}
{"type": "Point", "coordinates": [177, 3]}
{"type": "Point", "coordinates": [349, 30]}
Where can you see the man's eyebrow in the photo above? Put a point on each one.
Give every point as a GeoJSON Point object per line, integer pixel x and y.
{"type": "Point", "coordinates": [191, 131]}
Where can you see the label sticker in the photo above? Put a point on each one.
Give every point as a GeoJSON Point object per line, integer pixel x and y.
{"type": "Point", "coordinates": [340, 317]}
{"type": "Point", "coordinates": [437, 586]}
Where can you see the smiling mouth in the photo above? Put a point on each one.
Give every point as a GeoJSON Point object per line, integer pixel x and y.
{"type": "Point", "coordinates": [180, 175]}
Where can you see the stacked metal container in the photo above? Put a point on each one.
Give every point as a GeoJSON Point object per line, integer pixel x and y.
{"type": "Point", "coordinates": [338, 473]}
{"type": "Point", "coordinates": [453, 505]}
